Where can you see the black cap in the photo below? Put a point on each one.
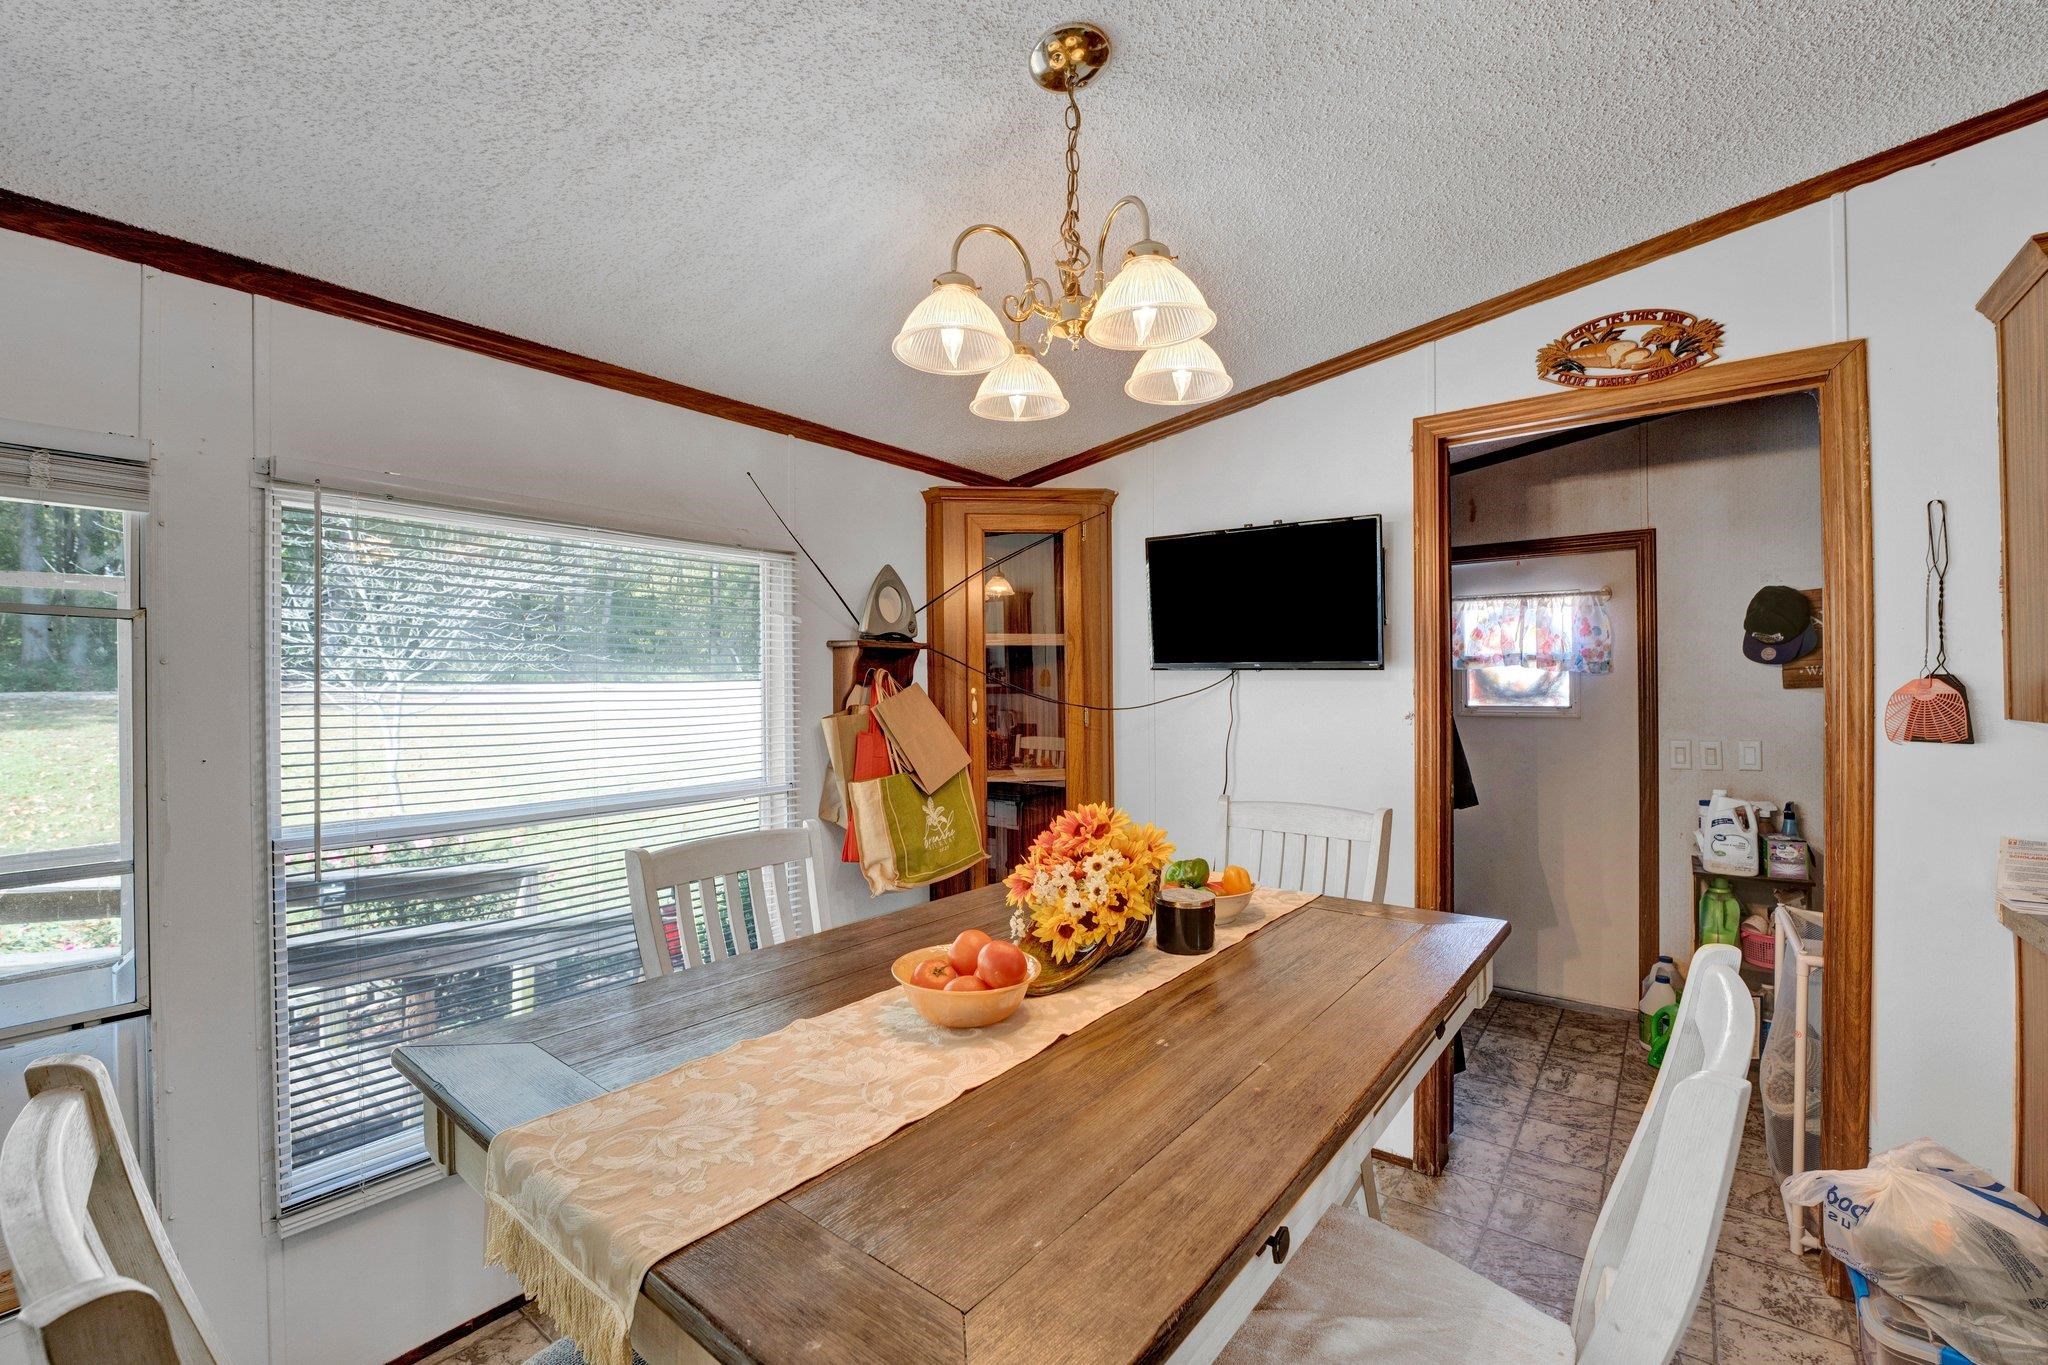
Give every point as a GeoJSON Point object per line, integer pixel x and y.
{"type": "Point", "coordinates": [1779, 626]}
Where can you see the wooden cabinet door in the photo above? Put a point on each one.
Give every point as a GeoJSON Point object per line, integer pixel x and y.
{"type": "Point", "coordinates": [1020, 660]}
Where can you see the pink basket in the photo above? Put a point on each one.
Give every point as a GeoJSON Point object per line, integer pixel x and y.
{"type": "Point", "coordinates": [1759, 948]}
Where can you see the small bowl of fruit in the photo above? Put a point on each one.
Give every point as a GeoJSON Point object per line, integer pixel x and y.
{"type": "Point", "coordinates": [972, 982]}
{"type": "Point", "coordinates": [1232, 887]}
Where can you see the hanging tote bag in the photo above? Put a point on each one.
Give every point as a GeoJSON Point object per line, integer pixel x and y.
{"type": "Point", "coordinates": [910, 838]}
{"type": "Point", "coordinates": [872, 758]}
{"type": "Point", "coordinates": [1934, 708]}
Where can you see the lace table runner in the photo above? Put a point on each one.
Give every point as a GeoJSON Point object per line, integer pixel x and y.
{"type": "Point", "coordinates": [582, 1202]}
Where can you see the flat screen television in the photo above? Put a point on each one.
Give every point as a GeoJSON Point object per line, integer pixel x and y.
{"type": "Point", "coordinates": [1304, 594]}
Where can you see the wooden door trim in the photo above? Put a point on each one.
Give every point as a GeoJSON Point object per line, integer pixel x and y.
{"type": "Point", "coordinates": [1641, 546]}
{"type": "Point", "coordinates": [1838, 375]}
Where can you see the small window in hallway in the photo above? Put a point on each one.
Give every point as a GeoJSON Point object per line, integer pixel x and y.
{"type": "Point", "coordinates": [1516, 689]}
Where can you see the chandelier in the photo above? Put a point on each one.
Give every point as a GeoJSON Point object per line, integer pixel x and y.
{"type": "Point", "coordinates": [1150, 306]}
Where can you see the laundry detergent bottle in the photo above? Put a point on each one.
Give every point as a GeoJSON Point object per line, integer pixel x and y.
{"type": "Point", "coordinates": [1728, 838]}
{"type": "Point", "coordinates": [1720, 914]}
{"type": "Point", "coordinates": [1659, 995]}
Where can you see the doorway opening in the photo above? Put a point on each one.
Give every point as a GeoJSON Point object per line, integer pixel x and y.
{"type": "Point", "coordinates": [1836, 377]}
{"type": "Point", "coordinates": [1557, 816]}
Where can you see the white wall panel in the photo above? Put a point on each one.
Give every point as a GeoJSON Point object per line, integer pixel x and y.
{"type": "Point", "coordinates": [209, 960]}
{"type": "Point", "coordinates": [1771, 286]}
{"type": "Point", "coordinates": [1923, 247]}
{"type": "Point", "coordinates": [1340, 738]}
{"type": "Point", "coordinates": [70, 343]}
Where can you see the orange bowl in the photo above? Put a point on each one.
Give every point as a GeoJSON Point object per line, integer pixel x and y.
{"type": "Point", "coordinates": [960, 1009]}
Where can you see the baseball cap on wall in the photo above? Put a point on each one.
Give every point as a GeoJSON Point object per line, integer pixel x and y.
{"type": "Point", "coordinates": [1779, 626]}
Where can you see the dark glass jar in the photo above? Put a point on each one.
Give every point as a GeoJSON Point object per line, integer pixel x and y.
{"type": "Point", "coordinates": [1186, 917]}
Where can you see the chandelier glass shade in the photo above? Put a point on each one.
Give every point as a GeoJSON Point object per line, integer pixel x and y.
{"type": "Point", "coordinates": [951, 331]}
{"type": "Point", "coordinates": [1150, 306]}
{"type": "Point", "coordinates": [1150, 303]}
{"type": "Point", "coordinates": [1018, 390]}
{"type": "Point", "coordinates": [1176, 376]}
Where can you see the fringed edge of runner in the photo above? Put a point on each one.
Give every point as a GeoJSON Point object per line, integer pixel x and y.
{"type": "Point", "coordinates": [579, 1308]}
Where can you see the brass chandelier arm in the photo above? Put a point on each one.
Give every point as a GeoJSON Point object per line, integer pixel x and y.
{"type": "Point", "coordinates": [1102, 242]}
{"type": "Point", "coordinates": [1036, 297]}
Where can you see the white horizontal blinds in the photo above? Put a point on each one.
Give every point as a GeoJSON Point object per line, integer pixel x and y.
{"type": "Point", "coordinates": [55, 476]}
{"type": "Point", "coordinates": [502, 709]}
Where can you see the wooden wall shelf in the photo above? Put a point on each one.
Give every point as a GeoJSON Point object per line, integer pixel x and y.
{"type": "Point", "coordinates": [854, 659]}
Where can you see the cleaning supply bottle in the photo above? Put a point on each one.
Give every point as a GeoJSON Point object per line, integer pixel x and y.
{"type": "Point", "coordinates": [1728, 838]}
{"type": "Point", "coordinates": [1788, 823]}
{"type": "Point", "coordinates": [1665, 965]}
{"type": "Point", "coordinates": [1720, 914]}
{"type": "Point", "coordinates": [1660, 994]}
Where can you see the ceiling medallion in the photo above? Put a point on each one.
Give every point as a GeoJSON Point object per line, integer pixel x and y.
{"type": "Point", "coordinates": [1150, 306]}
{"type": "Point", "coordinates": [1601, 354]}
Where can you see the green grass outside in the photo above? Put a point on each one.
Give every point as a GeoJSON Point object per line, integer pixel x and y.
{"type": "Point", "coordinates": [60, 787]}
{"type": "Point", "coordinates": [60, 771]}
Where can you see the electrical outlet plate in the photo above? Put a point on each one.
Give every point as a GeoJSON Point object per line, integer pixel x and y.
{"type": "Point", "coordinates": [1749, 755]}
{"type": "Point", "coordinates": [1710, 755]}
{"type": "Point", "coordinates": [1681, 754]}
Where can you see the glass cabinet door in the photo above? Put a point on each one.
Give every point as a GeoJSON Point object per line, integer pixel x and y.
{"type": "Point", "coordinates": [1020, 662]}
{"type": "Point", "coordinates": [1025, 688]}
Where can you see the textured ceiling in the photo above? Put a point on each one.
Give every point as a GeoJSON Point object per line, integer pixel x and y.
{"type": "Point", "coordinates": [747, 198]}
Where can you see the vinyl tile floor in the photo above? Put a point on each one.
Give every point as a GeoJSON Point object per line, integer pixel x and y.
{"type": "Point", "coordinates": [1545, 1109]}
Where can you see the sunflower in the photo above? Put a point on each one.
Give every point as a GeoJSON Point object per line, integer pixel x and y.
{"type": "Point", "coordinates": [1059, 931]}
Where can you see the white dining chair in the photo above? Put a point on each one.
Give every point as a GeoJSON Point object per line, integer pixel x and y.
{"type": "Point", "coordinates": [97, 1277]}
{"type": "Point", "coordinates": [1293, 846]}
{"type": "Point", "coordinates": [734, 888]}
{"type": "Point", "coordinates": [96, 1274]}
{"type": "Point", "coordinates": [1359, 1290]}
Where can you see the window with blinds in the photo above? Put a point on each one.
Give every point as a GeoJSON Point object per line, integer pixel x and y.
{"type": "Point", "coordinates": [471, 719]}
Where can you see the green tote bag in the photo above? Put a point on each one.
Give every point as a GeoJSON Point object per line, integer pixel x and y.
{"type": "Point", "coordinates": [910, 839]}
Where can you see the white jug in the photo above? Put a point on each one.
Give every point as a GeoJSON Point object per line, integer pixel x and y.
{"type": "Point", "coordinates": [1728, 837]}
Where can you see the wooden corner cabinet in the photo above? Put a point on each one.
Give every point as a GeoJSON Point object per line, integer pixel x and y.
{"type": "Point", "coordinates": [1020, 653]}
{"type": "Point", "coordinates": [2017, 305]}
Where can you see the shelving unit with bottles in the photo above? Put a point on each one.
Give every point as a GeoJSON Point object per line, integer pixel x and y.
{"type": "Point", "coordinates": [1020, 655]}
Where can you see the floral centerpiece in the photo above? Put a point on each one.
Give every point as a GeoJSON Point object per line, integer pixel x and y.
{"type": "Point", "coordinates": [1083, 893]}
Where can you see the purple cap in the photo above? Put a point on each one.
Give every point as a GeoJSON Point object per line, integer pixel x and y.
{"type": "Point", "coordinates": [1782, 652]}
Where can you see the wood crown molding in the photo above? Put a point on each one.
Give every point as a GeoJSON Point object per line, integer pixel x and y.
{"type": "Point", "coordinates": [90, 232]}
{"type": "Point", "coordinates": [1906, 155]}
{"type": "Point", "coordinates": [2016, 279]}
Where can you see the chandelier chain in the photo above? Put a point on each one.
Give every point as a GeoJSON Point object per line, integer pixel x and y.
{"type": "Point", "coordinates": [1076, 260]}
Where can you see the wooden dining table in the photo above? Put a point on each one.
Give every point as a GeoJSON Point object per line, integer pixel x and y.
{"type": "Point", "coordinates": [1126, 1194]}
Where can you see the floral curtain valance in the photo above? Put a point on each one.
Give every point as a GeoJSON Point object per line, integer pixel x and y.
{"type": "Point", "coordinates": [1571, 631]}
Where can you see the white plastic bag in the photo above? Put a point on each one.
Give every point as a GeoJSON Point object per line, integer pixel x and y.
{"type": "Point", "coordinates": [1944, 1237]}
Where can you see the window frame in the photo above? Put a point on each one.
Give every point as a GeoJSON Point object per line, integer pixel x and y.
{"type": "Point", "coordinates": [54, 866]}
{"type": "Point", "coordinates": [383, 1168]}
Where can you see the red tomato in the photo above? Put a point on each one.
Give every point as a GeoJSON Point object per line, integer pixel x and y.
{"type": "Point", "coordinates": [967, 983]}
{"type": "Point", "coordinates": [1001, 964]}
{"type": "Point", "coordinates": [933, 973]}
{"type": "Point", "coordinates": [966, 951]}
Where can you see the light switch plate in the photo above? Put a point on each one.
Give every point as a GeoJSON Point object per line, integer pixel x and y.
{"type": "Point", "coordinates": [1681, 754]}
{"type": "Point", "coordinates": [1710, 755]}
{"type": "Point", "coordinates": [1749, 755]}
